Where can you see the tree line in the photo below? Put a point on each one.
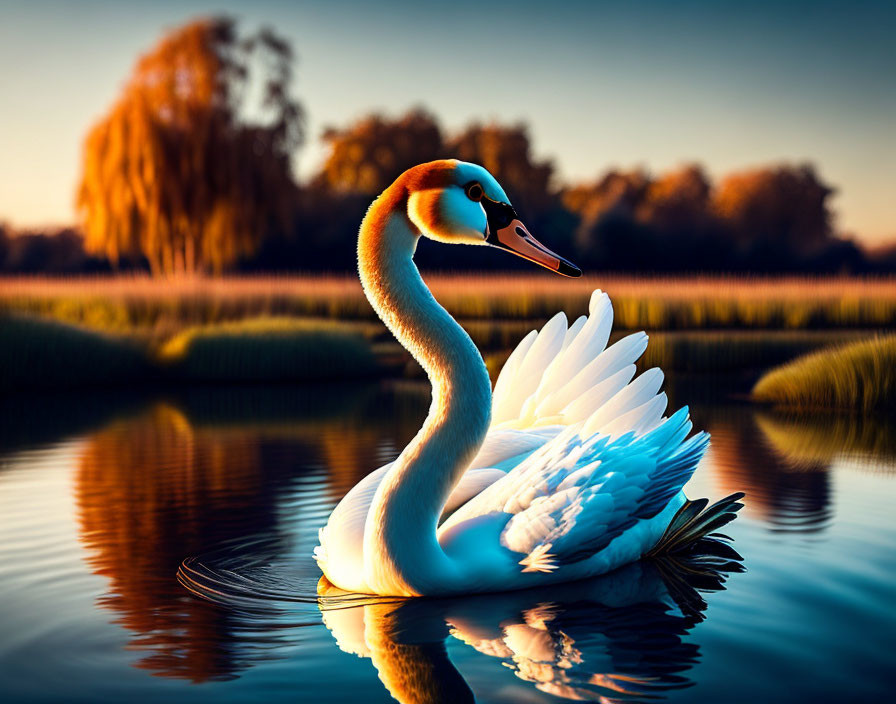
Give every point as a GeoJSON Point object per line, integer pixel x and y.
{"type": "Point", "coordinates": [190, 171]}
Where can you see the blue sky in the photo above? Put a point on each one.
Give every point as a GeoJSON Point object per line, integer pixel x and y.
{"type": "Point", "coordinates": [623, 84]}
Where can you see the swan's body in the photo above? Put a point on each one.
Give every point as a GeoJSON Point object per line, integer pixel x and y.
{"type": "Point", "coordinates": [568, 470]}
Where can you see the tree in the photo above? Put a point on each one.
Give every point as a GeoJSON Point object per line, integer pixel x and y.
{"type": "Point", "coordinates": [4, 245]}
{"type": "Point", "coordinates": [608, 234]}
{"type": "Point", "coordinates": [367, 156]}
{"type": "Point", "coordinates": [177, 171]}
{"type": "Point", "coordinates": [782, 207]}
{"type": "Point", "coordinates": [616, 194]}
{"type": "Point", "coordinates": [677, 202]}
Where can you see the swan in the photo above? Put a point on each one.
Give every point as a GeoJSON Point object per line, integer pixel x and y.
{"type": "Point", "coordinates": [567, 470]}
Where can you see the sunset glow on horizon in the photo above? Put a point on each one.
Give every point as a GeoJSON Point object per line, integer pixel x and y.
{"type": "Point", "coordinates": [636, 84]}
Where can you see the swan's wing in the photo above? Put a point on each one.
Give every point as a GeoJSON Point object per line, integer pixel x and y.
{"type": "Point", "coordinates": [505, 448]}
{"type": "Point", "coordinates": [561, 376]}
{"type": "Point", "coordinates": [572, 497]}
{"type": "Point", "coordinates": [630, 480]}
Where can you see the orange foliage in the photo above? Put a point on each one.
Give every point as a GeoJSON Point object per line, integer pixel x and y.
{"type": "Point", "coordinates": [174, 172]}
{"type": "Point", "coordinates": [615, 192]}
{"type": "Point", "coordinates": [677, 199]}
{"type": "Point", "coordinates": [367, 156]}
{"type": "Point", "coordinates": [783, 203]}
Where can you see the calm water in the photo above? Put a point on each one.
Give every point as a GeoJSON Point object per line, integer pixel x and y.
{"type": "Point", "coordinates": [101, 499]}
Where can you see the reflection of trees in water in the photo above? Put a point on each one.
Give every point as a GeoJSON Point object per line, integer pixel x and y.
{"type": "Point", "coordinates": [819, 440]}
{"type": "Point", "coordinates": [170, 483]}
{"type": "Point", "coordinates": [789, 498]}
{"type": "Point", "coordinates": [149, 492]}
{"type": "Point", "coordinates": [781, 462]}
{"type": "Point", "coordinates": [613, 638]}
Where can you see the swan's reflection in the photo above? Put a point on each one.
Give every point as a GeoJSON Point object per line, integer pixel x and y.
{"type": "Point", "coordinates": [618, 637]}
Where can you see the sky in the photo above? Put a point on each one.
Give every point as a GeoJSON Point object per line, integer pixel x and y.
{"type": "Point", "coordinates": [638, 83]}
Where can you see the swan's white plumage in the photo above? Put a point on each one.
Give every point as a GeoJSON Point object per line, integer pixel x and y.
{"type": "Point", "coordinates": [510, 398]}
{"type": "Point", "coordinates": [574, 496]}
{"type": "Point", "coordinates": [579, 468]}
{"type": "Point", "coordinates": [596, 369]}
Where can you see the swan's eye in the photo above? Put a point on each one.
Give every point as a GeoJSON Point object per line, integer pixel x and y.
{"type": "Point", "coordinates": [474, 191]}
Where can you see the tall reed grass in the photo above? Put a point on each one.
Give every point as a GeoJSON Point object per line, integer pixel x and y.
{"type": "Point", "coordinates": [162, 308]}
{"type": "Point", "coordinates": [860, 376]}
{"type": "Point", "coordinates": [269, 349]}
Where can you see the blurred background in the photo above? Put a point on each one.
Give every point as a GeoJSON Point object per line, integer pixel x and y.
{"type": "Point", "coordinates": [639, 137]}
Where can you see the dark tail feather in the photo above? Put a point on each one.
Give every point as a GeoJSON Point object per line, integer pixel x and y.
{"type": "Point", "coordinates": [693, 558]}
{"type": "Point", "coordinates": [693, 522]}
{"type": "Point", "coordinates": [705, 569]}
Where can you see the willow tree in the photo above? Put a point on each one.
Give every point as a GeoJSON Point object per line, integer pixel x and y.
{"type": "Point", "coordinates": [191, 166]}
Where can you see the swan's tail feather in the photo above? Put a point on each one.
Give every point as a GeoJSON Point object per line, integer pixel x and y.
{"type": "Point", "coordinates": [694, 522]}
{"type": "Point", "coordinates": [704, 567]}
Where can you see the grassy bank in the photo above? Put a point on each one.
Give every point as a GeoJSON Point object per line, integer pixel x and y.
{"type": "Point", "coordinates": [268, 349]}
{"type": "Point", "coordinates": [859, 376]}
{"type": "Point", "coordinates": [38, 353]}
{"type": "Point", "coordinates": [44, 354]}
{"type": "Point", "coordinates": [161, 309]}
{"type": "Point", "coordinates": [321, 327]}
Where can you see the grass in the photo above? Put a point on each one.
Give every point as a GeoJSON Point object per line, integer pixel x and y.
{"type": "Point", "coordinates": [860, 376]}
{"type": "Point", "coordinates": [44, 354]}
{"type": "Point", "coordinates": [38, 353]}
{"type": "Point", "coordinates": [139, 304]}
{"type": "Point", "coordinates": [717, 352]}
{"type": "Point", "coordinates": [269, 349]}
{"type": "Point", "coordinates": [248, 328]}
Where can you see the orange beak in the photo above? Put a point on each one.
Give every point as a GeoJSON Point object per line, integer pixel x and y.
{"type": "Point", "coordinates": [507, 232]}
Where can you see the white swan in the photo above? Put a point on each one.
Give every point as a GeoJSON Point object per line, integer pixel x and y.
{"type": "Point", "coordinates": [567, 470]}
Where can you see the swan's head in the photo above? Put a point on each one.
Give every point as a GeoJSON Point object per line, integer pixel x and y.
{"type": "Point", "coordinates": [460, 203]}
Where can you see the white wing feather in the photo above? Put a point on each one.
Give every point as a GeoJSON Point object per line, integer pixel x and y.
{"type": "Point", "coordinates": [516, 384]}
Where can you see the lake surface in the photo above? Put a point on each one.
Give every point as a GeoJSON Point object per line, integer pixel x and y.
{"type": "Point", "coordinates": [102, 496]}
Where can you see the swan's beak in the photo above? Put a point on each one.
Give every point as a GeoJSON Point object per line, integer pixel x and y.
{"type": "Point", "coordinates": [507, 232]}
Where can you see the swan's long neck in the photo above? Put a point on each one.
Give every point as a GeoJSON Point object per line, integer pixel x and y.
{"type": "Point", "coordinates": [401, 552]}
